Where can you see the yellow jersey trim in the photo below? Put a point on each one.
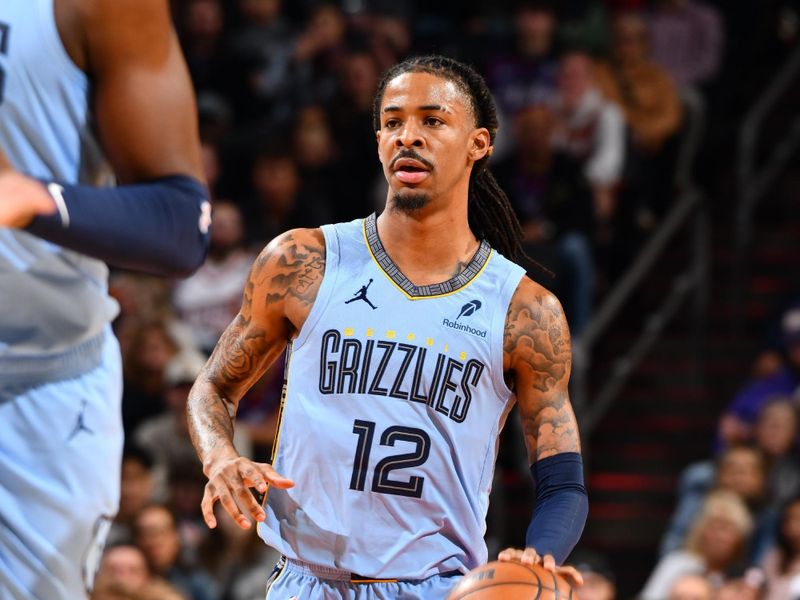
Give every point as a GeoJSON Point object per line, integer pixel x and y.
{"type": "Point", "coordinates": [405, 293]}
{"type": "Point", "coordinates": [278, 426]}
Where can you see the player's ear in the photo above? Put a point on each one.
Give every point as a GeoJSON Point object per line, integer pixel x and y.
{"type": "Point", "coordinates": [480, 143]}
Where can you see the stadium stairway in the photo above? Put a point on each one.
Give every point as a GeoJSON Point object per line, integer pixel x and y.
{"type": "Point", "coordinates": [665, 418]}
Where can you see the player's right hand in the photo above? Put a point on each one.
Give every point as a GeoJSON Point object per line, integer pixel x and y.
{"type": "Point", "coordinates": [230, 480]}
{"type": "Point", "coordinates": [22, 199]}
{"type": "Point", "coordinates": [529, 556]}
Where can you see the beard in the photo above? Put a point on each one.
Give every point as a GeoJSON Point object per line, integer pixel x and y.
{"type": "Point", "coordinates": [410, 201]}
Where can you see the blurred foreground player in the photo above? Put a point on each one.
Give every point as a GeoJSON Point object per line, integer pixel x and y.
{"type": "Point", "coordinates": [80, 80]}
{"type": "Point", "coordinates": [394, 401]}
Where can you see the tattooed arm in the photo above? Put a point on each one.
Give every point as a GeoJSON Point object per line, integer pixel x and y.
{"type": "Point", "coordinates": [278, 295]}
{"type": "Point", "coordinates": [537, 357]}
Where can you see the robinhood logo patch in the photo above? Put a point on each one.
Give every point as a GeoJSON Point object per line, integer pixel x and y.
{"type": "Point", "coordinates": [469, 309]}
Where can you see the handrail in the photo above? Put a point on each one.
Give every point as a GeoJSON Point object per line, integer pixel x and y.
{"type": "Point", "coordinates": [688, 203]}
{"type": "Point", "coordinates": [751, 125]}
{"type": "Point", "coordinates": [754, 182]}
{"type": "Point", "coordinates": [694, 279]}
{"type": "Point", "coordinates": [640, 268]}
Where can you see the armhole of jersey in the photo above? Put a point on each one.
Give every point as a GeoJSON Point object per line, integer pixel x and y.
{"type": "Point", "coordinates": [328, 284]}
{"type": "Point", "coordinates": [498, 328]}
{"type": "Point", "coordinates": [52, 34]}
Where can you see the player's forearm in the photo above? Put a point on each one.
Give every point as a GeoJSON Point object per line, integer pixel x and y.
{"type": "Point", "coordinates": [210, 417]}
{"type": "Point", "coordinates": [159, 227]}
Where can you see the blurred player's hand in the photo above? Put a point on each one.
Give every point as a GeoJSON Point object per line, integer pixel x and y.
{"type": "Point", "coordinates": [21, 198]}
{"type": "Point", "coordinates": [230, 480]}
{"type": "Point", "coordinates": [529, 556]}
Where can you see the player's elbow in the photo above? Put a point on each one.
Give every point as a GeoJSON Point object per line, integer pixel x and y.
{"type": "Point", "coordinates": [190, 210]}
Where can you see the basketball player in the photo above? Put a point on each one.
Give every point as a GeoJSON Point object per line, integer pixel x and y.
{"type": "Point", "coordinates": [80, 80]}
{"type": "Point", "coordinates": [385, 452]}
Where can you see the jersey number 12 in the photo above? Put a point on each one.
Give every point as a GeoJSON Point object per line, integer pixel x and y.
{"type": "Point", "coordinates": [381, 480]}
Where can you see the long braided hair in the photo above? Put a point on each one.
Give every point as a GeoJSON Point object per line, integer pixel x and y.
{"type": "Point", "coordinates": [491, 216]}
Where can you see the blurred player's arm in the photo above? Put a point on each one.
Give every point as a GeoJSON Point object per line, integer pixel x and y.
{"type": "Point", "coordinates": [279, 293]}
{"type": "Point", "coordinates": [537, 360]}
{"type": "Point", "coordinates": [146, 118]}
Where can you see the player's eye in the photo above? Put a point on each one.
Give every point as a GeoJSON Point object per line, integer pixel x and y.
{"type": "Point", "coordinates": [391, 123]}
{"type": "Point", "coordinates": [433, 121]}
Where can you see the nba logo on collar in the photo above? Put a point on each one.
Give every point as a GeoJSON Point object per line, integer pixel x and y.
{"type": "Point", "coordinates": [469, 309]}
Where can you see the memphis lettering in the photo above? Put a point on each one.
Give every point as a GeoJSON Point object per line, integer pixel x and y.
{"type": "Point", "coordinates": [353, 366]}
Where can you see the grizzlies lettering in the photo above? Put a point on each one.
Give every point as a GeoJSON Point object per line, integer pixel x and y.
{"type": "Point", "coordinates": [353, 366]}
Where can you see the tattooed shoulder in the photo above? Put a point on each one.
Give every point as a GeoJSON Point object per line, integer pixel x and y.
{"type": "Point", "coordinates": [536, 336]}
{"type": "Point", "coordinates": [290, 270]}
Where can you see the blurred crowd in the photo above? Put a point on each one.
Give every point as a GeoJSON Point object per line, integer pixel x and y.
{"type": "Point", "coordinates": [595, 98]}
{"type": "Point", "coordinates": [735, 530]}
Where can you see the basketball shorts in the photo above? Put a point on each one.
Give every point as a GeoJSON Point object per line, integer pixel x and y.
{"type": "Point", "coordinates": [295, 580]}
{"type": "Point", "coordinates": [60, 454]}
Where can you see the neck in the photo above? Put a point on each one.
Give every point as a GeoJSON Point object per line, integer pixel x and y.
{"type": "Point", "coordinates": [430, 245]}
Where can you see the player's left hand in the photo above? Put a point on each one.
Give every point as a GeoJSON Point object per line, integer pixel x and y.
{"type": "Point", "coordinates": [529, 556]}
{"type": "Point", "coordinates": [21, 198]}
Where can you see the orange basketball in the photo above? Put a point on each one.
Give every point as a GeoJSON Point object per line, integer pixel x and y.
{"type": "Point", "coordinates": [511, 581]}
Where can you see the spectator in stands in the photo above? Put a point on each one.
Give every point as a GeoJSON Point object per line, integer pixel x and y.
{"type": "Point", "coordinates": [161, 590]}
{"type": "Point", "coordinates": [238, 559]}
{"type": "Point", "coordinates": [739, 589]}
{"type": "Point", "coordinates": [136, 492]}
{"type": "Point", "coordinates": [351, 122]}
{"type": "Point", "coordinates": [317, 155]}
{"type": "Point", "coordinates": [782, 565]}
{"type": "Point", "coordinates": [583, 24]}
{"type": "Point", "coordinates": [319, 52]}
{"type": "Point", "coordinates": [525, 75]}
{"type": "Point", "coordinates": [157, 535]}
{"type": "Point", "coordinates": [166, 436]}
{"type": "Point", "coordinates": [737, 422]}
{"type": "Point", "coordinates": [151, 348]}
{"type": "Point", "coordinates": [261, 71]}
{"type": "Point", "coordinates": [597, 586]}
{"type": "Point", "coordinates": [686, 39]}
{"type": "Point", "coordinates": [385, 32]}
{"type": "Point", "coordinates": [592, 130]}
{"type": "Point", "coordinates": [715, 547]}
{"type": "Point", "coordinates": [123, 566]}
{"type": "Point", "coordinates": [209, 299]}
{"type": "Point", "coordinates": [740, 470]}
{"type": "Point", "coordinates": [201, 25]}
{"type": "Point", "coordinates": [553, 201]}
{"type": "Point", "coordinates": [691, 587]}
{"type": "Point", "coordinates": [281, 201]}
{"type": "Point", "coordinates": [776, 432]}
{"type": "Point", "coordinates": [644, 90]}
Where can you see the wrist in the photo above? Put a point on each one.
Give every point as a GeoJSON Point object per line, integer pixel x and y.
{"type": "Point", "coordinates": [219, 454]}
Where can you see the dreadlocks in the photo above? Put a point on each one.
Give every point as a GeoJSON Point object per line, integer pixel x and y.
{"type": "Point", "coordinates": [491, 216]}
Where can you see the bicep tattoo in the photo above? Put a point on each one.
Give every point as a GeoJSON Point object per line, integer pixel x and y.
{"type": "Point", "coordinates": [538, 351]}
{"type": "Point", "coordinates": [279, 292]}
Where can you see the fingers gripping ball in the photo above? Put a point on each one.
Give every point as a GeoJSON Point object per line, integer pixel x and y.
{"type": "Point", "coordinates": [511, 581]}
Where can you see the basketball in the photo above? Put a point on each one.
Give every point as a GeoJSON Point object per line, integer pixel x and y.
{"type": "Point", "coordinates": [511, 581]}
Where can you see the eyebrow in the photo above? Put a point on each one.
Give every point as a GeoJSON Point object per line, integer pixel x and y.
{"type": "Point", "coordinates": [424, 107]}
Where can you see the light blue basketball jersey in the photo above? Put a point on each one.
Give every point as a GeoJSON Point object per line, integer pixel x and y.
{"type": "Point", "coordinates": [60, 366]}
{"type": "Point", "coordinates": [54, 304]}
{"type": "Point", "coordinates": [394, 401]}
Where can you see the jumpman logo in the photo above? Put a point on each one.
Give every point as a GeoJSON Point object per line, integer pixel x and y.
{"type": "Point", "coordinates": [80, 425]}
{"type": "Point", "coordinates": [362, 295]}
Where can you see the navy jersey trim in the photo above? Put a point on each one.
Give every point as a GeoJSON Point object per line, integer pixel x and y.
{"type": "Point", "coordinates": [392, 271]}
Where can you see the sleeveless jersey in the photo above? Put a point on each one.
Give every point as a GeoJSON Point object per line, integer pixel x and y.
{"type": "Point", "coordinates": [53, 302]}
{"type": "Point", "coordinates": [392, 408]}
